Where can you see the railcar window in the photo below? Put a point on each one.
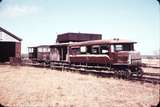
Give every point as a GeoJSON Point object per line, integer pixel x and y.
{"type": "Point", "coordinates": [95, 50]}
{"type": "Point", "coordinates": [118, 47]}
{"type": "Point", "coordinates": [75, 50]}
{"type": "Point", "coordinates": [40, 50]}
{"type": "Point", "coordinates": [83, 49]}
{"type": "Point", "coordinates": [44, 49]}
{"type": "Point", "coordinates": [48, 49]}
{"type": "Point", "coordinates": [30, 50]}
{"type": "Point", "coordinates": [128, 47]}
{"type": "Point", "coordinates": [104, 49]}
{"type": "Point", "coordinates": [124, 47]}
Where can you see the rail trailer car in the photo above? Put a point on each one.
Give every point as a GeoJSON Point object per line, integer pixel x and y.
{"type": "Point", "coordinates": [39, 54]}
{"type": "Point", "coordinates": [119, 55]}
{"type": "Point", "coordinates": [42, 54]}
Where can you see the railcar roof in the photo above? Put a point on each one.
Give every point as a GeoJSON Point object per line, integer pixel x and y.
{"type": "Point", "coordinates": [39, 46]}
{"type": "Point", "coordinates": [98, 42]}
{"type": "Point", "coordinates": [60, 44]}
{"type": "Point", "coordinates": [80, 33]}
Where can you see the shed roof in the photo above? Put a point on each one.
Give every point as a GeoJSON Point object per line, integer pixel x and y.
{"type": "Point", "coordinates": [11, 34]}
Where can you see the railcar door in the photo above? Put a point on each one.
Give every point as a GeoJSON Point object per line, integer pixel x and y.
{"type": "Point", "coordinates": [63, 53]}
{"type": "Point", "coordinates": [54, 54]}
{"type": "Point", "coordinates": [34, 52]}
{"type": "Point", "coordinates": [113, 54]}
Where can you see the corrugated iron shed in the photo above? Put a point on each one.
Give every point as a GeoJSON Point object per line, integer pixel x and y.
{"type": "Point", "coordinates": [10, 45]}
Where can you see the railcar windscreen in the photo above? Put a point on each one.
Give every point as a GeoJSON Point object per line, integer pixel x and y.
{"type": "Point", "coordinates": [124, 47]}
{"type": "Point", "coordinates": [104, 49]}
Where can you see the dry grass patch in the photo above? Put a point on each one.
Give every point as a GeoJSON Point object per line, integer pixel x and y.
{"type": "Point", "coordinates": [152, 70]}
{"type": "Point", "coordinates": [29, 86]}
{"type": "Point", "coordinates": [151, 62]}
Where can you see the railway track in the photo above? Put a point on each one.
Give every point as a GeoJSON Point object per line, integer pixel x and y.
{"type": "Point", "coordinates": [153, 78]}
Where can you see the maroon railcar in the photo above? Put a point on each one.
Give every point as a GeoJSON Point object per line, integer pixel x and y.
{"type": "Point", "coordinates": [116, 53]}
{"type": "Point", "coordinates": [60, 50]}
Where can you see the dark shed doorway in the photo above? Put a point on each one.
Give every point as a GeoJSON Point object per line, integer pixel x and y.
{"type": "Point", "coordinates": [7, 50]}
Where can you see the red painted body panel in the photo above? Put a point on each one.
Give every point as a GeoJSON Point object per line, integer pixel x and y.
{"type": "Point", "coordinates": [119, 57]}
{"type": "Point", "coordinates": [116, 57]}
{"type": "Point", "coordinates": [91, 59]}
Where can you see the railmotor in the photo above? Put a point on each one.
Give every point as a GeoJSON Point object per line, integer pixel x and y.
{"type": "Point", "coordinates": [119, 55]}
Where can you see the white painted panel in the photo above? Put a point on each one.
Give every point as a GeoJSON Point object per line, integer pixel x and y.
{"type": "Point", "coordinates": [54, 54]}
{"type": "Point", "coordinates": [7, 38]}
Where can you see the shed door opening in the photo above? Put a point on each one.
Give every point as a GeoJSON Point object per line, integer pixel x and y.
{"type": "Point", "coordinates": [7, 50]}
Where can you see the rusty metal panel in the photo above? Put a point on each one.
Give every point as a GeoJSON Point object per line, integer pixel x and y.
{"type": "Point", "coordinates": [42, 56]}
{"type": "Point", "coordinates": [18, 49]}
{"type": "Point", "coordinates": [92, 59]}
{"type": "Point", "coordinates": [77, 37]}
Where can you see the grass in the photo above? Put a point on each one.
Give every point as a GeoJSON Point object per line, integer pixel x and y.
{"type": "Point", "coordinates": [29, 86]}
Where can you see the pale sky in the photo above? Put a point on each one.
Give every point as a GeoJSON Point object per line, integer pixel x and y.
{"type": "Point", "coordinates": [38, 22]}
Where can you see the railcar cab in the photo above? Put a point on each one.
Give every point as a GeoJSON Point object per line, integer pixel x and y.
{"type": "Point", "coordinates": [123, 53]}
{"type": "Point", "coordinates": [124, 57]}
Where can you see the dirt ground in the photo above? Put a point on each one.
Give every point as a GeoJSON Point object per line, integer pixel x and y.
{"type": "Point", "coordinates": [29, 86]}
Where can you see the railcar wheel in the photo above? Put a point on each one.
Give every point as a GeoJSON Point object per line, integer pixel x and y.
{"type": "Point", "coordinates": [128, 73]}
{"type": "Point", "coordinates": [139, 72]}
{"type": "Point", "coordinates": [121, 73]}
{"type": "Point", "coordinates": [117, 73]}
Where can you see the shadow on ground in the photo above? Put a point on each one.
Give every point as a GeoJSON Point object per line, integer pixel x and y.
{"type": "Point", "coordinates": [2, 105]}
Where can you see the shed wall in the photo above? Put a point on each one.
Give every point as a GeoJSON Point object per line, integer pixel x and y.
{"type": "Point", "coordinates": [18, 49]}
